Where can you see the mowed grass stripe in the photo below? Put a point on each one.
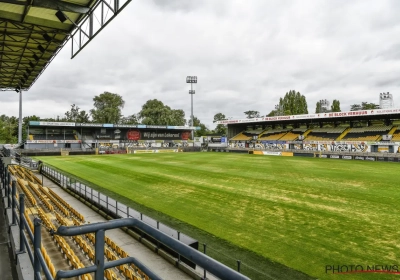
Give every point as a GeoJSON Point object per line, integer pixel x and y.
{"type": "Point", "coordinates": [304, 213]}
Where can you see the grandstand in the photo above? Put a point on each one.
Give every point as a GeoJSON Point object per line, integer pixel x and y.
{"type": "Point", "coordinates": [67, 135]}
{"type": "Point", "coordinates": [375, 130]}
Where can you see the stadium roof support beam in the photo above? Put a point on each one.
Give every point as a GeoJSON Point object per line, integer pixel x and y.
{"type": "Point", "coordinates": [31, 33]}
{"type": "Point", "coordinates": [94, 21]}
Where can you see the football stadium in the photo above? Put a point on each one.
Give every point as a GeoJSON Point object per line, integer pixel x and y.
{"type": "Point", "coordinates": [282, 196]}
{"type": "Point", "coordinates": [287, 197]}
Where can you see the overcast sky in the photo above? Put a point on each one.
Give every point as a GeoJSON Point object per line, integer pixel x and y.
{"type": "Point", "coordinates": [246, 55]}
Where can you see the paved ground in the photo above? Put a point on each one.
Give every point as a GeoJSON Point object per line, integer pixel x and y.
{"type": "Point", "coordinates": [7, 270]}
{"type": "Point", "coordinates": [135, 249]}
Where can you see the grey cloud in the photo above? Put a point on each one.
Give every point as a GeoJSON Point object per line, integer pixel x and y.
{"type": "Point", "coordinates": [246, 55]}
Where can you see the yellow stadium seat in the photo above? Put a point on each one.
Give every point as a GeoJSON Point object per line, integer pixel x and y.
{"type": "Point", "coordinates": [52, 270]}
{"type": "Point", "coordinates": [119, 250]}
{"type": "Point", "coordinates": [107, 274]}
{"type": "Point", "coordinates": [123, 254]}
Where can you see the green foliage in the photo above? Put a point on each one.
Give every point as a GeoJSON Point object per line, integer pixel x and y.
{"type": "Point", "coordinates": [8, 129]}
{"type": "Point", "coordinates": [369, 106]}
{"type": "Point", "coordinates": [220, 128]}
{"type": "Point", "coordinates": [203, 129]}
{"type": "Point", "coordinates": [132, 119]}
{"type": "Point", "coordinates": [303, 213]}
{"type": "Point", "coordinates": [25, 124]}
{"type": "Point", "coordinates": [76, 115]}
{"type": "Point", "coordinates": [154, 112]}
{"type": "Point", "coordinates": [318, 108]}
{"type": "Point", "coordinates": [335, 107]}
{"type": "Point", "coordinates": [364, 106]}
{"type": "Point", "coordinates": [107, 108]}
{"type": "Point", "coordinates": [293, 103]}
{"type": "Point", "coordinates": [252, 114]}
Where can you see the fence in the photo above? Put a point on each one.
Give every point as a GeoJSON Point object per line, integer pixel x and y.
{"type": "Point", "coordinates": [117, 208]}
{"type": "Point", "coordinates": [122, 211]}
{"type": "Point", "coordinates": [38, 260]}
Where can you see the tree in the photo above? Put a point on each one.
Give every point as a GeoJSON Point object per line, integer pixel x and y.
{"type": "Point", "coordinates": [293, 103]}
{"type": "Point", "coordinates": [355, 107]}
{"type": "Point", "coordinates": [132, 119]}
{"type": "Point", "coordinates": [154, 112]}
{"type": "Point", "coordinates": [107, 108]}
{"type": "Point", "coordinates": [252, 114]}
{"type": "Point", "coordinates": [369, 106]}
{"type": "Point", "coordinates": [335, 107]}
{"type": "Point", "coordinates": [318, 108]}
{"type": "Point", "coordinates": [8, 129]}
{"type": "Point", "coordinates": [220, 128]}
{"type": "Point", "coordinates": [176, 117]}
{"type": "Point", "coordinates": [75, 115]}
{"type": "Point", "coordinates": [364, 106]}
{"type": "Point", "coordinates": [203, 129]}
{"type": "Point", "coordinates": [25, 124]}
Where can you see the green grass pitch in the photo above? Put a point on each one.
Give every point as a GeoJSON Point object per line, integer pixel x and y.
{"type": "Point", "coordinates": [304, 213]}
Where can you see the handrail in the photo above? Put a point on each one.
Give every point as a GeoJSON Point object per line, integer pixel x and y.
{"type": "Point", "coordinates": [35, 255]}
{"type": "Point", "coordinates": [216, 268]}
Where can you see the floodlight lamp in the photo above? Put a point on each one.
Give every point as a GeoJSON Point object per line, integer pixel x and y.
{"type": "Point", "coordinates": [61, 17]}
{"type": "Point", "coordinates": [191, 79]}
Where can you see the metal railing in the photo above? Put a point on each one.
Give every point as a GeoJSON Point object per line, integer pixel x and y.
{"type": "Point", "coordinates": [216, 268]}
{"type": "Point", "coordinates": [38, 261]}
{"type": "Point", "coordinates": [35, 255]}
{"type": "Point", "coordinates": [18, 219]}
{"type": "Point", "coordinates": [113, 206]}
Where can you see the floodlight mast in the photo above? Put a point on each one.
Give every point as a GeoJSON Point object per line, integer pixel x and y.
{"type": "Point", "coordinates": [191, 80]}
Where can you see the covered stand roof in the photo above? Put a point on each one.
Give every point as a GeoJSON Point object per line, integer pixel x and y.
{"type": "Point", "coordinates": [32, 32]}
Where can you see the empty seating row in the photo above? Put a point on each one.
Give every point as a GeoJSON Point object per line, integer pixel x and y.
{"type": "Point", "coordinates": [290, 136]}
{"type": "Point", "coordinates": [42, 249]}
{"type": "Point", "coordinates": [300, 129]}
{"type": "Point", "coordinates": [73, 211]}
{"type": "Point", "coordinates": [396, 135]}
{"type": "Point", "coordinates": [55, 201]}
{"type": "Point", "coordinates": [241, 137]}
{"type": "Point", "coordinates": [130, 272]}
{"type": "Point", "coordinates": [52, 137]}
{"type": "Point", "coordinates": [28, 194]}
{"type": "Point", "coordinates": [329, 129]}
{"type": "Point", "coordinates": [45, 219]}
{"type": "Point", "coordinates": [363, 138]}
{"type": "Point", "coordinates": [251, 131]}
{"type": "Point", "coordinates": [275, 136]}
{"type": "Point", "coordinates": [61, 220]}
{"type": "Point", "coordinates": [381, 128]}
{"type": "Point", "coordinates": [54, 196]}
{"type": "Point", "coordinates": [41, 197]}
{"type": "Point", "coordinates": [70, 255]}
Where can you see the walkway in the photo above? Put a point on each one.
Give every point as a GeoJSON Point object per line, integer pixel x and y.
{"type": "Point", "coordinates": [135, 249]}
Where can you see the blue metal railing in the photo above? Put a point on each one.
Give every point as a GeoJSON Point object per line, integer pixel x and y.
{"type": "Point", "coordinates": [38, 261]}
